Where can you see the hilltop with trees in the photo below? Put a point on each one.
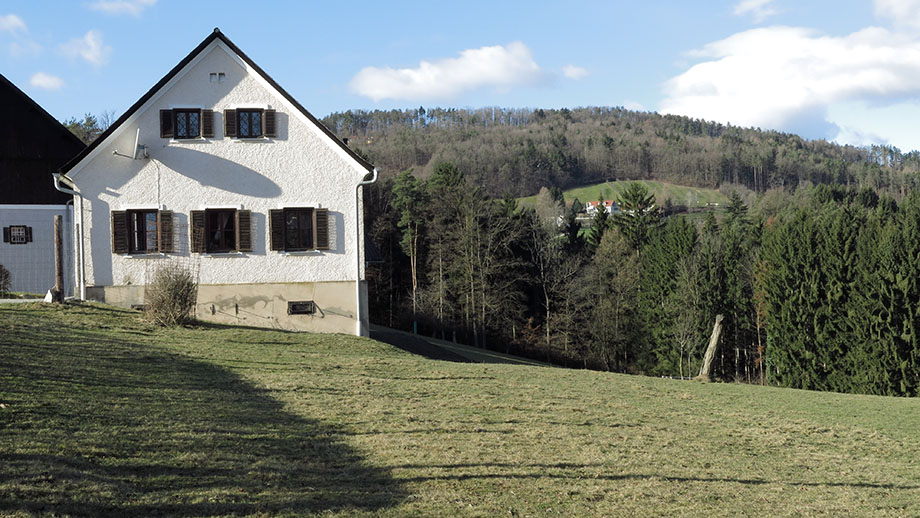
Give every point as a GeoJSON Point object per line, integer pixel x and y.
{"type": "Point", "coordinates": [518, 151]}
{"type": "Point", "coordinates": [811, 263]}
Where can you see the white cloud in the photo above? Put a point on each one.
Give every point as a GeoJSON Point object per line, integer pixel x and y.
{"type": "Point", "coordinates": [574, 72]}
{"type": "Point", "coordinates": [22, 48]}
{"type": "Point", "coordinates": [787, 77]}
{"type": "Point", "coordinates": [901, 12]}
{"type": "Point", "coordinates": [116, 7]}
{"type": "Point", "coordinates": [46, 81]}
{"type": "Point", "coordinates": [12, 24]}
{"type": "Point", "coordinates": [499, 66]}
{"type": "Point", "coordinates": [760, 10]}
{"type": "Point", "coordinates": [89, 47]}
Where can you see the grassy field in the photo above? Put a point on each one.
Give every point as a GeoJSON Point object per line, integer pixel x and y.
{"type": "Point", "coordinates": [103, 415]}
{"type": "Point", "coordinates": [692, 197]}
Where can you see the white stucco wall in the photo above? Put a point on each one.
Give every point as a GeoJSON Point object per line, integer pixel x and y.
{"type": "Point", "coordinates": [302, 167]}
{"type": "Point", "coordinates": [31, 265]}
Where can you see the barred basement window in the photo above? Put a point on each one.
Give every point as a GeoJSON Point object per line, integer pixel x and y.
{"type": "Point", "coordinates": [301, 307]}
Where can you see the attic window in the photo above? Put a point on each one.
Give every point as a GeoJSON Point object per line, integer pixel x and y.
{"type": "Point", "coordinates": [218, 77]}
{"type": "Point", "coordinates": [186, 123]}
{"type": "Point", "coordinates": [250, 123]}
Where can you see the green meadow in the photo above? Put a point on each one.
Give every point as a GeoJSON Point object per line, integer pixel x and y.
{"type": "Point", "coordinates": [102, 414]}
{"type": "Point", "coordinates": [691, 197]}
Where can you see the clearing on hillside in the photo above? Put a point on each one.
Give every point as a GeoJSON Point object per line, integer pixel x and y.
{"type": "Point", "coordinates": [102, 414]}
{"type": "Point", "coordinates": [691, 197]}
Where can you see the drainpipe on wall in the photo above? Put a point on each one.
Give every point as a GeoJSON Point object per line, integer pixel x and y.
{"type": "Point", "coordinates": [79, 222]}
{"type": "Point", "coordinates": [359, 331]}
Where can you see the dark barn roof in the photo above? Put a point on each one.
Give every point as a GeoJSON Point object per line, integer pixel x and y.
{"type": "Point", "coordinates": [33, 144]}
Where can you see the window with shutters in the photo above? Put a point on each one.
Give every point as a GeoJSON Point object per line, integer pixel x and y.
{"type": "Point", "coordinates": [17, 234]}
{"type": "Point", "coordinates": [144, 231]}
{"type": "Point", "coordinates": [221, 231]}
{"type": "Point", "coordinates": [299, 229]}
{"type": "Point", "coordinates": [186, 123]}
{"type": "Point", "coordinates": [246, 123]}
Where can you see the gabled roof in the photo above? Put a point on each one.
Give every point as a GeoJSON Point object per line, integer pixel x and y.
{"type": "Point", "coordinates": [216, 35]}
{"type": "Point", "coordinates": [32, 145]}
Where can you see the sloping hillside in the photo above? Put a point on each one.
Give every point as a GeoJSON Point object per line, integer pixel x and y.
{"type": "Point", "coordinates": [104, 415]}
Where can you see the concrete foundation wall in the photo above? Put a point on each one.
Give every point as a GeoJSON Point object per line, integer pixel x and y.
{"type": "Point", "coordinates": [260, 305]}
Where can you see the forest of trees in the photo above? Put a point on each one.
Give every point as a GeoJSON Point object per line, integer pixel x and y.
{"type": "Point", "coordinates": [518, 151]}
{"type": "Point", "coordinates": [818, 288]}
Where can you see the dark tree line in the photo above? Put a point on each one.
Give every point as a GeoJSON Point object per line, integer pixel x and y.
{"type": "Point", "coordinates": [518, 151]}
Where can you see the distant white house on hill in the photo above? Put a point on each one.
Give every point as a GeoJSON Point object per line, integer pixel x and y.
{"type": "Point", "coordinates": [610, 207]}
{"type": "Point", "coordinates": [217, 168]}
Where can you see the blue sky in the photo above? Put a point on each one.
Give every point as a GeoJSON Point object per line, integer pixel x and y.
{"type": "Point", "coordinates": [845, 70]}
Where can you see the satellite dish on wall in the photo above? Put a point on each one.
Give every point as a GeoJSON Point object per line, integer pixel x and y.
{"type": "Point", "coordinates": [138, 148]}
{"type": "Point", "coordinates": [137, 138]}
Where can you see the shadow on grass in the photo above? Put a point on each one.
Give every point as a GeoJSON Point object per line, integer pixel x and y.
{"type": "Point", "coordinates": [572, 471]}
{"type": "Point", "coordinates": [415, 345]}
{"type": "Point", "coordinates": [100, 425]}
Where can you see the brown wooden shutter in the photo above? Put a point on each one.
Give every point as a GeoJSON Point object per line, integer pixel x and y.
{"type": "Point", "coordinates": [196, 231]}
{"type": "Point", "coordinates": [28, 234]}
{"type": "Point", "coordinates": [166, 123]}
{"type": "Point", "coordinates": [244, 230]}
{"type": "Point", "coordinates": [321, 229]}
{"type": "Point", "coordinates": [207, 123]}
{"type": "Point", "coordinates": [165, 231]}
{"type": "Point", "coordinates": [119, 232]}
{"type": "Point", "coordinates": [276, 228]}
{"type": "Point", "coordinates": [6, 234]}
{"type": "Point", "coordinates": [229, 123]}
{"type": "Point", "coordinates": [269, 124]}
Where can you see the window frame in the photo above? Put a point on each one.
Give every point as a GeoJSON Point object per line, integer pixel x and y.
{"type": "Point", "coordinates": [188, 112]}
{"type": "Point", "coordinates": [237, 224]}
{"type": "Point", "coordinates": [169, 123]}
{"type": "Point", "coordinates": [223, 246]}
{"type": "Point", "coordinates": [299, 213]}
{"type": "Point", "coordinates": [247, 113]}
{"type": "Point", "coordinates": [26, 234]}
{"type": "Point", "coordinates": [319, 229]}
{"type": "Point", "coordinates": [134, 232]}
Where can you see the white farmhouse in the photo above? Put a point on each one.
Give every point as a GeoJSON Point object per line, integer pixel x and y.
{"type": "Point", "coordinates": [217, 168]}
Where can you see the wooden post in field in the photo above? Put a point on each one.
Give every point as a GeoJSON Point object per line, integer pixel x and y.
{"type": "Point", "coordinates": [710, 350]}
{"type": "Point", "coordinates": [58, 259]}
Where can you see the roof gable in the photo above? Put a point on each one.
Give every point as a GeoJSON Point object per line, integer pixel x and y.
{"type": "Point", "coordinates": [32, 145]}
{"type": "Point", "coordinates": [215, 38]}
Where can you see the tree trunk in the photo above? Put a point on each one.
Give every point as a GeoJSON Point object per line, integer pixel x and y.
{"type": "Point", "coordinates": [711, 349]}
